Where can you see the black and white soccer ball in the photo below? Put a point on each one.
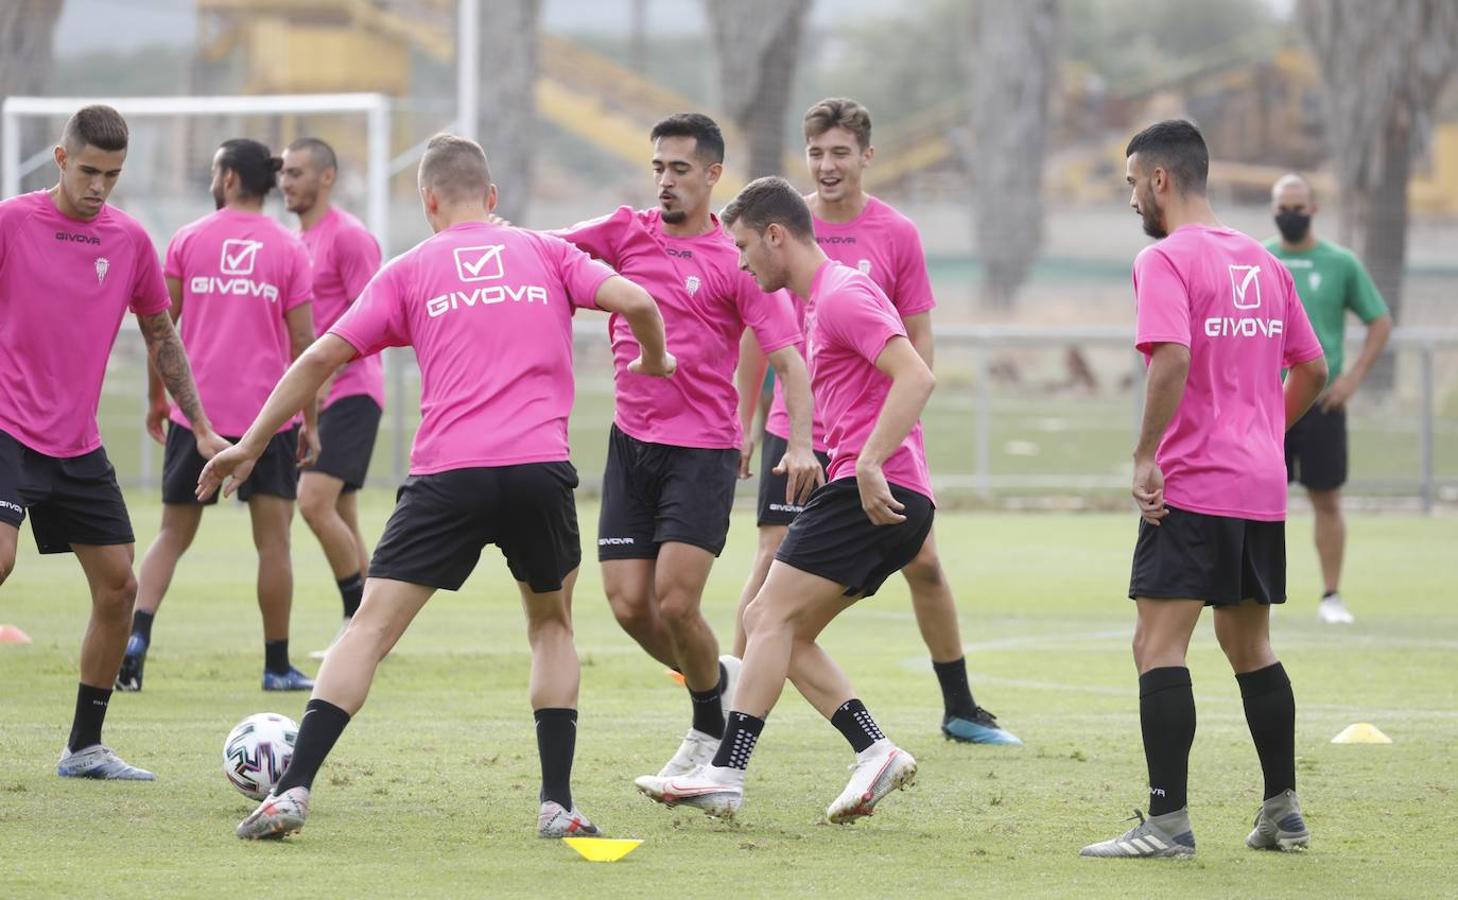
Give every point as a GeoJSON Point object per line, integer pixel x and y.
{"type": "Point", "coordinates": [258, 751]}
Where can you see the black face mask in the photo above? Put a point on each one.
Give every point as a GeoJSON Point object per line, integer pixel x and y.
{"type": "Point", "coordinates": [1293, 225]}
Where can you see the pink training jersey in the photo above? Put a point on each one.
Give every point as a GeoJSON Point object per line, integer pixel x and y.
{"type": "Point", "coordinates": [345, 257]}
{"type": "Point", "coordinates": [881, 243]}
{"type": "Point", "coordinates": [65, 285]}
{"type": "Point", "coordinates": [488, 310]}
{"type": "Point", "coordinates": [240, 273]}
{"type": "Point", "coordinates": [1219, 293]}
{"type": "Point", "coordinates": [849, 322]}
{"type": "Point", "coordinates": [706, 303]}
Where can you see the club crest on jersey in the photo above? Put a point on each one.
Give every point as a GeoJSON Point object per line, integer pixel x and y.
{"type": "Point", "coordinates": [691, 283]}
{"type": "Point", "coordinates": [864, 266]}
{"type": "Point", "coordinates": [102, 264]}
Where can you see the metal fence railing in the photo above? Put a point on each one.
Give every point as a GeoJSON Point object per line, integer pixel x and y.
{"type": "Point", "coordinates": [1041, 414]}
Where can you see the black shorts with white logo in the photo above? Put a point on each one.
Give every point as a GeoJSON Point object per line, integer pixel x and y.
{"type": "Point", "coordinates": [71, 500]}
{"type": "Point", "coordinates": [347, 429]}
{"type": "Point", "coordinates": [833, 537]}
{"type": "Point", "coordinates": [1316, 449]}
{"type": "Point", "coordinates": [1220, 560]}
{"type": "Point", "coordinates": [773, 510]}
{"type": "Point", "coordinates": [656, 493]}
{"type": "Point", "coordinates": [442, 521]}
{"type": "Point", "coordinates": [276, 474]}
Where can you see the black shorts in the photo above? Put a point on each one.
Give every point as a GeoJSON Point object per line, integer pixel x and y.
{"type": "Point", "coordinates": [276, 474]}
{"type": "Point", "coordinates": [833, 538]}
{"type": "Point", "coordinates": [442, 521]}
{"type": "Point", "coordinates": [347, 429]}
{"type": "Point", "coordinates": [656, 493]}
{"type": "Point", "coordinates": [1217, 559]}
{"type": "Point", "coordinates": [1316, 450]}
{"type": "Point", "coordinates": [71, 500]}
{"type": "Point", "coordinates": [773, 510]}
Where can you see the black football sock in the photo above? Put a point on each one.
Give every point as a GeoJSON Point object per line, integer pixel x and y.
{"type": "Point", "coordinates": [321, 726]}
{"type": "Point", "coordinates": [740, 736]}
{"type": "Point", "coordinates": [709, 708]}
{"type": "Point", "coordinates": [276, 656]}
{"type": "Point", "coordinates": [90, 713]}
{"type": "Point", "coordinates": [556, 744]}
{"type": "Point", "coordinates": [856, 724]}
{"type": "Point", "coordinates": [1167, 719]}
{"type": "Point", "coordinates": [1270, 711]}
{"type": "Point", "coordinates": [351, 591]}
{"type": "Point", "coordinates": [956, 692]}
{"type": "Point", "coordinates": [142, 624]}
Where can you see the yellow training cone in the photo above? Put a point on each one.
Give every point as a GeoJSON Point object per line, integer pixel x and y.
{"type": "Point", "coordinates": [1361, 733]}
{"type": "Point", "coordinates": [602, 849]}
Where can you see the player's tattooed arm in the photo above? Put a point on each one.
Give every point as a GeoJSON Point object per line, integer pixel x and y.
{"type": "Point", "coordinates": [170, 366]}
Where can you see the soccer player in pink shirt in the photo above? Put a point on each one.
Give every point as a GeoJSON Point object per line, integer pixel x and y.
{"type": "Point", "coordinates": [345, 257]}
{"type": "Point", "coordinates": [1218, 320]}
{"type": "Point", "coordinates": [242, 286]}
{"type": "Point", "coordinates": [869, 520]}
{"type": "Point", "coordinates": [861, 231]}
{"type": "Point", "coordinates": [69, 259]}
{"type": "Point", "coordinates": [673, 454]}
{"type": "Point", "coordinates": [488, 309]}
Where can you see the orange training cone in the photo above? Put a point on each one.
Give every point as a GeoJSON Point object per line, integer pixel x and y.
{"type": "Point", "coordinates": [9, 634]}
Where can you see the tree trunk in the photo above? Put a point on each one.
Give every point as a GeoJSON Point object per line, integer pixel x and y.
{"type": "Point", "coordinates": [508, 99]}
{"type": "Point", "coordinates": [1012, 69]}
{"type": "Point", "coordinates": [27, 29]}
{"type": "Point", "coordinates": [757, 43]}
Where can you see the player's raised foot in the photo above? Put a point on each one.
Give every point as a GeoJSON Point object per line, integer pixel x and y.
{"type": "Point", "coordinates": [129, 677]}
{"type": "Point", "coordinates": [556, 821]}
{"type": "Point", "coordinates": [292, 680]}
{"type": "Point", "coordinates": [697, 749]}
{"type": "Point", "coordinates": [878, 770]}
{"type": "Point", "coordinates": [320, 654]}
{"type": "Point", "coordinates": [99, 761]}
{"type": "Point", "coordinates": [1279, 825]}
{"type": "Point", "coordinates": [1168, 836]}
{"type": "Point", "coordinates": [1332, 611]}
{"type": "Point", "coordinates": [277, 816]}
{"type": "Point", "coordinates": [717, 791]}
{"type": "Point", "coordinates": [979, 727]}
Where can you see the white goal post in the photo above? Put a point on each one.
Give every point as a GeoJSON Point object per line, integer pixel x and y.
{"type": "Point", "coordinates": [375, 107]}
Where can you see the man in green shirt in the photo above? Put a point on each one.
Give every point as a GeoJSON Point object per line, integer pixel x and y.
{"type": "Point", "coordinates": [1330, 280]}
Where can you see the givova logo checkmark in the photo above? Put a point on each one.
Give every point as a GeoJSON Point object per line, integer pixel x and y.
{"type": "Point", "coordinates": [479, 263]}
{"type": "Point", "coordinates": [1242, 278]}
{"type": "Point", "coordinates": [239, 256]}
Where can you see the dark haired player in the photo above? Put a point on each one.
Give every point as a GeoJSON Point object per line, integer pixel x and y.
{"type": "Point", "coordinates": [1218, 319]}
{"type": "Point", "coordinates": [673, 455]}
{"type": "Point", "coordinates": [242, 286]}
{"type": "Point", "coordinates": [345, 257]}
{"type": "Point", "coordinates": [868, 234]}
{"type": "Point", "coordinates": [66, 256]}
{"type": "Point", "coordinates": [488, 310]}
{"type": "Point", "coordinates": [869, 520]}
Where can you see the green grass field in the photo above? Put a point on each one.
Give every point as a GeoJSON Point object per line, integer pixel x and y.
{"type": "Point", "coordinates": [432, 791]}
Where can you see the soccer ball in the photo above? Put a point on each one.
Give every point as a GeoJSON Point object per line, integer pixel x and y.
{"type": "Point", "coordinates": [257, 751]}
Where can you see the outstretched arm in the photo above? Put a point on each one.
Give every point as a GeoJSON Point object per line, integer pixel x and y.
{"type": "Point", "coordinates": [300, 322]}
{"type": "Point", "coordinates": [292, 393]}
{"type": "Point", "coordinates": [623, 297]}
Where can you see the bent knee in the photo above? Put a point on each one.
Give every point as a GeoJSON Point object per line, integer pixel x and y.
{"type": "Point", "coordinates": [678, 608]}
